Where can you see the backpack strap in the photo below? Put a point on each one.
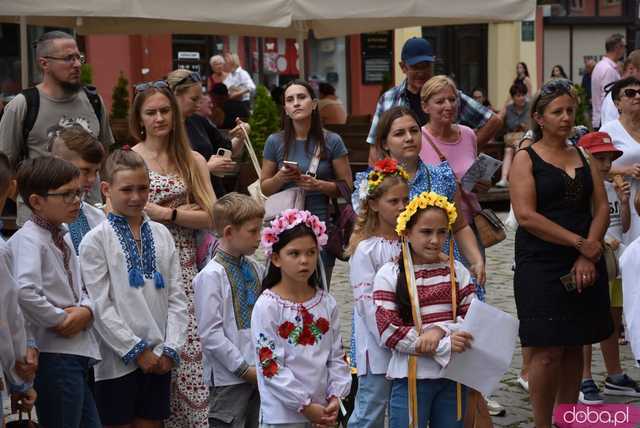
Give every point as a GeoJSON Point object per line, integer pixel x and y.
{"type": "Point", "coordinates": [94, 99]}
{"type": "Point", "coordinates": [32, 97]}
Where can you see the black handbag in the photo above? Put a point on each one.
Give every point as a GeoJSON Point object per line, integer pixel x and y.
{"type": "Point", "coordinates": [341, 225]}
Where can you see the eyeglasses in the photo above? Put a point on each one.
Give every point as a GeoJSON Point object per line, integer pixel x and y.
{"type": "Point", "coordinates": [193, 76]}
{"type": "Point", "coordinates": [158, 84]}
{"type": "Point", "coordinates": [631, 93]}
{"type": "Point", "coordinates": [69, 59]}
{"type": "Point", "coordinates": [68, 197]}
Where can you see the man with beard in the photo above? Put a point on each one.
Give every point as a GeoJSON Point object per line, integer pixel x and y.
{"type": "Point", "coordinates": [60, 100]}
{"type": "Point", "coordinates": [417, 59]}
{"type": "Point", "coordinates": [605, 72]}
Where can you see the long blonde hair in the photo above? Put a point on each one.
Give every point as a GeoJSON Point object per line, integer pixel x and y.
{"type": "Point", "coordinates": [367, 221]}
{"type": "Point", "coordinates": [179, 149]}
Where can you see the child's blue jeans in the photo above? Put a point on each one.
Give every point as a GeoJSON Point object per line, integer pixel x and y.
{"type": "Point", "coordinates": [371, 401]}
{"type": "Point", "coordinates": [436, 404]}
{"type": "Point", "coordinates": [64, 398]}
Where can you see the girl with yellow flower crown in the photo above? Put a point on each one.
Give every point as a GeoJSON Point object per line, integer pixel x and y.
{"type": "Point", "coordinates": [374, 242]}
{"type": "Point", "coordinates": [419, 300]}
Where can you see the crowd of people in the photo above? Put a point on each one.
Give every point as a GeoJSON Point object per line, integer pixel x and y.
{"type": "Point", "coordinates": [108, 318]}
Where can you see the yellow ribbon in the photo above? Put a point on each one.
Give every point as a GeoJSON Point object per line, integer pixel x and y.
{"type": "Point", "coordinates": [417, 323]}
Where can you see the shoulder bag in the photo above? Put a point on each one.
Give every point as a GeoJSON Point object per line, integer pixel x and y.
{"type": "Point", "coordinates": [489, 226]}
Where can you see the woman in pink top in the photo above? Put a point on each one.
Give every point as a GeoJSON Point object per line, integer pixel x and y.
{"type": "Point", "coordinates": [443, 138]}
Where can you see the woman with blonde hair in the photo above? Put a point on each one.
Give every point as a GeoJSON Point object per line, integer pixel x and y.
{"type": "Point", "coordinates": [181, 197]}
{"type": "Point", "coordinates": [203, 135]}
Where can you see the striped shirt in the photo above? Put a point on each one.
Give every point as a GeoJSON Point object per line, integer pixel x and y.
{"type": "Point", "coordinates": [433, 283]}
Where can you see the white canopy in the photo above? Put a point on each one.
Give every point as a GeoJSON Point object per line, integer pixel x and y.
{"type": "Point", "coordinates": [281, 18]}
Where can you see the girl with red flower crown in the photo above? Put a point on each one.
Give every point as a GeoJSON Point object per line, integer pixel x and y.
{"type": "Point", "coordinates": [301, 367]}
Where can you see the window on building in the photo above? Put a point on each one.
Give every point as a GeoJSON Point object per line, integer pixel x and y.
{"type": "Point", "coordinates": [583, 8]}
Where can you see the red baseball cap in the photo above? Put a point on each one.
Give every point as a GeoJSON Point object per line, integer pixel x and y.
{"type": "Point", "coordinates": [599, 142]}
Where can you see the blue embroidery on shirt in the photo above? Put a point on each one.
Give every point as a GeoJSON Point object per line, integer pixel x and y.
{"type": "Point", "coordinates": [135, 351]}
{"type": "Point", "coordinates": [138, 267]}
{"type": "Point", "coordinates": [78, 229]}
{"type": "Point", "coordinates": [171, 353]}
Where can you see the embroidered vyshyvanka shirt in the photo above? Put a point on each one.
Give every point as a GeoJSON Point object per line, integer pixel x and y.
{"type": "Point", "coordinates": [13, 338]}
{"type": "Point", "coordinates": [226, 291]}
{"type": "Point", "coordinates": [88, 218]}
{"type": "Point", "coordinates": [47, 286]}
{"type": "Point", "coordinates": [129, 318]}
{"type": "Point", "coordinates": [368, 258]}
{"type": "Point", "coordinates": [433, 283]}
{"type": "Point", "coordinates": [299, 354]}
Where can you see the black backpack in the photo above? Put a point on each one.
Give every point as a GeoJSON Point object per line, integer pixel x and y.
{"type": "Point", "coordinates": [32, 96]}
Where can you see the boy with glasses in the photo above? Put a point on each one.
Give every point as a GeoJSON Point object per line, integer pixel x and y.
{"type": "Point", "coordinates": [56, 306]}
{"type": "Point", "coordinates": [61, 99]}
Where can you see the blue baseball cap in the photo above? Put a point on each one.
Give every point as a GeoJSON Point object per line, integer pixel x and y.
{"type": "Point", "coordinates": [416, 50]}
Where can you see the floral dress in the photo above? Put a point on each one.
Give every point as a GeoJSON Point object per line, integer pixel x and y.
{"type": "Point", "coordinates": [189, 394]}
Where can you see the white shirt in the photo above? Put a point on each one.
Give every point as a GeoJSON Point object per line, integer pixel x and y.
{"type": "Point", "coordinates": [226, 348]}
{"type": "Point", "coordinates": [368, 258]}
{"type": "Point", "coordinates": [241, 79]}
{"type": "Point", "coordinates": [126, 316]}
{"type": "Point", "coordinates": [623, 141]}
{"type": "Point", "coordinates": [433, 283]}
{"type": "Point", "coordinates": [615, 218]}
{"type": "Point", "coordinates": [291, 374]}
{"type": "Point", "coordinates": [609, 112]}
{"type": "Point", "coordinates": [629, 268]}
{"type": "Point", "coordinates": [38, 267]}
{"type": "Point", "coordinates": [13, 337]}
{"type": "Point", "coordinates": [605, 72]}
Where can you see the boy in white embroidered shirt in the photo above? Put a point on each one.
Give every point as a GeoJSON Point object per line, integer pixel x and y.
{"type": "Point", "coordinates": [225, 293]}
{"type": "Point", "coordinates": [56, 307]}
{"type": "Point", "coordinates": [13, 340]}
{"type": "Point", "coordinates": [130, 267]}
{"type": "Point", "coordinates": [76, 145]}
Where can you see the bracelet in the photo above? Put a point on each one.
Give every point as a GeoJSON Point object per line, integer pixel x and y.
{"type": "Point", "coordinates": [174, 215]}
{"type": "Point", "coordinates": [579, 243]}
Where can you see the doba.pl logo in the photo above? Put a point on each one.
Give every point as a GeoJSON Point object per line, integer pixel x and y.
{"type": "Point", "coordinates": [601, 416]}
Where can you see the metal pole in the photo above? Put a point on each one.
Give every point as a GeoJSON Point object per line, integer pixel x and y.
{"type": "Point", "coordinates": [24, 53]}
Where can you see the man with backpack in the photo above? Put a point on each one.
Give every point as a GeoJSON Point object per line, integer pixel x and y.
{"type": "Point", "coordinates": [60, 100]}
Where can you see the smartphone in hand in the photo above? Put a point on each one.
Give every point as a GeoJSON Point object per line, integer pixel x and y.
{"type": "Point", "coordinates": [225, 153]}
{"type": "Point", "coordinates": [569, 281]}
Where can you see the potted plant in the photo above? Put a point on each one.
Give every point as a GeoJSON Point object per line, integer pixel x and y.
{"type": "Point", "coordinates": [264, 121]}
{"type": "Point", "coordinates": [120, 111]}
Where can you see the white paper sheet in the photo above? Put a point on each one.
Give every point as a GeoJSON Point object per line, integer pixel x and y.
{"type": "Point", "coordinates": [482, 168]}
{"type": "Point", "coordinates": [494, 341]}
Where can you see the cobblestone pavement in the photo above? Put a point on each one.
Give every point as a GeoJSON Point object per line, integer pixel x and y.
{"type": "Point", "coordinates": [500, 294]}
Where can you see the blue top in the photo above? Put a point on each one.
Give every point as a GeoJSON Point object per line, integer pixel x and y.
{"type": "Point", "coordinates": [316, 202]}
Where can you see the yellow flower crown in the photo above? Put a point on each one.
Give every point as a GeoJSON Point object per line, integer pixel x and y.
{"type": "Point", "coordinates": [422, 201]}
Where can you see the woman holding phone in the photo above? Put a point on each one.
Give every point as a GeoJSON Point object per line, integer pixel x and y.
{"type": "Point", "coordinates": [203, 135]}
{"type": "Point", "coordinates": [560, 279]}
{"type": "Point", "coordinates": [289, 153]}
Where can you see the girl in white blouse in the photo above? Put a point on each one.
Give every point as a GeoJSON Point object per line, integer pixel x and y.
{"type": "Point", "coordinates": [130, 268]}
{"type": "Point", "coordinates": [302, 370]}
{"type": "Point", "coordinates": [374, 242]}
{"type": "Point", "coordinates": [418, 300]}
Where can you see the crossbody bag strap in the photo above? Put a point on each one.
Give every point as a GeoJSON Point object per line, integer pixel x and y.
{"type": "Point", "coordinates": [442, 157]}
{"type": "Point", "coordinates": [315, 162]}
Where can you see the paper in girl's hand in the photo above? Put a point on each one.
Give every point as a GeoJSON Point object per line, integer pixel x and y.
{"type": "Point", "coordinates": [483, 169]}
{"type": "Point", "coordinates": [494, 340]}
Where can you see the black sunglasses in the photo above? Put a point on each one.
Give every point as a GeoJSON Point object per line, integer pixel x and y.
{"type": "Point", "coordinates": [554, 86]}
{"type": "Point", "coordinates": [193, 76]}
{"type": "Point", "coordinates": [631, 93]}
{"type": "Point", "coordinates": [158, 84]}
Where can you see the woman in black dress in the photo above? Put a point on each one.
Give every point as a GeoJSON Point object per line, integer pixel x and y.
{"type": "Point", "coordinates": [552, 193]}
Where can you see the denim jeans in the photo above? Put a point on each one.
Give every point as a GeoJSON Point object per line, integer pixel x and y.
{"type": "Point", "coordinates": [436, 404]}
{"type": "Point", "coordinates": [372, 400]}
{"type": "Point", "coordinates": [64, 396]}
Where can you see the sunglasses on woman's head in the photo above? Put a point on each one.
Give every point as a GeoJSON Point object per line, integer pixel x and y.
{"type": "Point", "coordinates": [193, 76]}
{"type": "Point", "coordinates": [630, 92]}
{"type": "Point", "coordinates": [556, 85]}
{"type": "Point", "coordinates": [158, 84]}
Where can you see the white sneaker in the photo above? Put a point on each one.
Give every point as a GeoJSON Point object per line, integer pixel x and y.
{"type": "Point", "coordinates": [495, 409]}
{"type": "Point", "coordinates": [502, 183]}
{"type": "Point", "coordinates": [523, 383]}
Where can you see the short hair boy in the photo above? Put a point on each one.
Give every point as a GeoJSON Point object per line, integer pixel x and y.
{"type": "Point", "coordinates": [77, 146]}
{"type": "Point", "coordinates": [53, 301]}
{"type": "Point", "coordinates": [225, 293]}
{"type": "Point", "coordinates": [603, 153]}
